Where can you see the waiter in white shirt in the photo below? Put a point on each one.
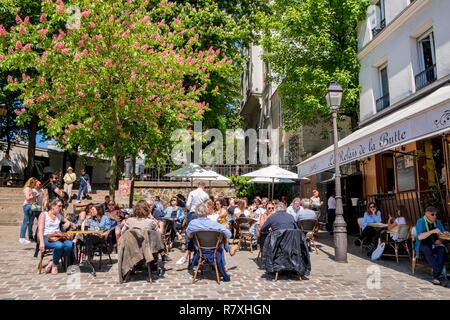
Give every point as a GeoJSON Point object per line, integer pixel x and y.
{"type": "Point", "coordinates": [195, 197]}
{"type": "Point", "coordinates": [331, 213]}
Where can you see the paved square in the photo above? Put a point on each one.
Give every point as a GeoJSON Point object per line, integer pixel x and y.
{"type": "Point", "coordinates": [360, 278]}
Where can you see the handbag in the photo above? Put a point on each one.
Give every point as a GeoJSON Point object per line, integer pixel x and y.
{"type": "Point", "coordinates": [376, 254]}
{"type": "Point", "coordinates": [36, 207]}
{"type": "Point", "coordinates": [59, 236]}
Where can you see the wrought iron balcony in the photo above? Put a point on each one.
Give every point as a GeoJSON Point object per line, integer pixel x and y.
{"type": "Point", "coordinates": [378, 29]}
{"type": "Point", "coordinates": [426, 77]}
{"type": "Point", "coordinates": [383, 102]}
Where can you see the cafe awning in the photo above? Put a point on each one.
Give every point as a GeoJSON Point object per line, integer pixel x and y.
{"type": "Point", "coordinates": [424, 118]}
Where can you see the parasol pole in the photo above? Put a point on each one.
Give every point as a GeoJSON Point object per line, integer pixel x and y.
{"type": "Point", "coordinates": [273, 186]}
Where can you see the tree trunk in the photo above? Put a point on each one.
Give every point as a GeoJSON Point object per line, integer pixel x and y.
{"type": "Point", "coordinates": [32, 132]}
{"type": "Point", "coordinates": [113, 176]}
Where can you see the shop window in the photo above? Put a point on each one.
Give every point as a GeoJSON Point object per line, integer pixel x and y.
{"type": "Point", "coordinates": [406, 175]}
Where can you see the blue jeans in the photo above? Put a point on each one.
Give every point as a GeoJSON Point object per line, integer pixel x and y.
{"type": "Point", "coordinates": [82, 189]}
{"type": "Point", "coordinates": [60, 248]}
{"type": "Point", "coordinates": [438, 262]}
{"type": "Point", "coordinates": [26, 222]}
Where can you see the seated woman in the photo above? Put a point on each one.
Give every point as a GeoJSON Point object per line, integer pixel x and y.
{"type": "Point", "coordinates": [49, 223]}
{"type": "Point", "coordinates": [221, 213]}
{"type": "Point", "coordinates": [394, 224]}
{"type": "Point", "coordinates": [241, 210]}
{"type": "Point", "coordinates": [119, 216]}
{"type": "Point", "coordinates": [174, 212]}
{"type": "Point", "coordinates": [428, 229]}
{"type": "Point", "coordinates": [372, 215]}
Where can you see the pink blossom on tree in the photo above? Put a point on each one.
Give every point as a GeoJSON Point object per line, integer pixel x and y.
{"type": "Point", "coordinates": [18, 20]}
{"type": "Point", "coordinates": [3, 32]}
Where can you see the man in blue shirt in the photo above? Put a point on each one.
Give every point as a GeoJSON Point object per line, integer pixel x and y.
{"type": "Point", "coordinates": [428, 229]}
{"type": "Point", "coordinates": [202, 223]}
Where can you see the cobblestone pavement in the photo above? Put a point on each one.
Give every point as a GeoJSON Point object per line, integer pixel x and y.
{"type": "Point", "coordinates": [328, 280]}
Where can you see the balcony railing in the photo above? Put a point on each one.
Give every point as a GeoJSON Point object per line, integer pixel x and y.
{"type": "Point", "coordinates": [378, 29]}
{"type": "Point", "coordinates": [426, 77]}
{"type": "Point", "coordinates": [383, 102]}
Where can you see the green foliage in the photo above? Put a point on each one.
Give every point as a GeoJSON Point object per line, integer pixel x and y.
{"type": "Point", "coordinates": [308, 44]}
{"type": "Point", "coordinates": [241, 185]}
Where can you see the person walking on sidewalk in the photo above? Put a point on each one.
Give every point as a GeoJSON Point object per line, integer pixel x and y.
{"type": "Point", "coordinates": [84, 187]}
{"type": "Point", "coordinates": [69, 179]}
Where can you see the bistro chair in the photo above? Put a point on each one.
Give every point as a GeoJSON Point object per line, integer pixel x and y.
{"type": "Point", "coordinates": [46, 253]}
{"type": "Point", "coordinates": [416, 259]}
{"type": "Point", "coordinates": [310, 229]}
{"type": "Point", "coordinates": [168, 234]}
{"type": "Point", "coordinates": [404, 232]}
{"type": "Point", "coordinates": [207, 240]}
{"type": "Point", "coordinates": [364, 240]}
{"type": "Point", "coordinates": [243, 226]}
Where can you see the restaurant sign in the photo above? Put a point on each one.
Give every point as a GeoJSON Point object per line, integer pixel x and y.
{"type": "Point", "coordinates": [403, 131]}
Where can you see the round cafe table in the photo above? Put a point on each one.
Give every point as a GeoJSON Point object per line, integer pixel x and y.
{"type": "Point", "coordinates": [86, 261]}
{"type": "Point", "coordinates": [378, 225]}
{"type": "Point", "coordinates": [444, 237]}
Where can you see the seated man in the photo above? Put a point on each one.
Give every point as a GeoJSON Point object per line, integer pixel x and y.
{"type": "Point", "coordinates": [295, 208]}
{"type": "Point", "coordinates": [279, 220]}
{"type": "Point", "coordinates": [306, 213]}
{"type": "Point", "coordinates": [428, 229]}
{"type": "Point", "coordinates": [202, 223]}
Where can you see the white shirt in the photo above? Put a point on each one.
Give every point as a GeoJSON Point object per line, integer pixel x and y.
{"type": "Point", "coordinates": [213, 216]}
{"type": "Point", "coordinates": [195, 198]}
{"type": "Point", "coordinates": [294, 212]}
{"type": "Point", "coordinates": [52, 226]}
{"type": "Point", "coordinates": [331, 203]}
{"type": "Point", "coordinates": [238, 212]}
{"type": "Point", "coordinates": [306, 214]}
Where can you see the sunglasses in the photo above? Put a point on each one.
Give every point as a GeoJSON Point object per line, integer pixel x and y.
{"type": "Point", "coordinates": [372, 207]}
{"type": "Point", "coordinates": [270, 208]}
{"type": "Point", "coordinates": [432, 214]}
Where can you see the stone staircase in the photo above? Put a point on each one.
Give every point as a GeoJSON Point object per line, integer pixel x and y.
{"type": "Point", "coordinates": [11, 201]}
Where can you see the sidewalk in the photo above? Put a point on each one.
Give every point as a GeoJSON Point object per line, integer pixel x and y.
{"type": "Point", "coordinates": [360, 278]}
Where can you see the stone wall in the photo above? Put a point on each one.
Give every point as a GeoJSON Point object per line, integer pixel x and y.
{"type": "Point", "coordinates": [168, 189]}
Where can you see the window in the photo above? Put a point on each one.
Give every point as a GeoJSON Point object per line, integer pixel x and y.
{"type": "Point", "coordinates": [406, 174]}
{"type": "Point", "coordinates": [383, 102]}
{"type": "Point", "coordinates": [427, 61]}
{"type": "Point", "coordinates": [380, 18]}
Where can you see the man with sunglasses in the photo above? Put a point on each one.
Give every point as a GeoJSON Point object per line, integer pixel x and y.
{"type": "Point", "coordinates": [428, 229]}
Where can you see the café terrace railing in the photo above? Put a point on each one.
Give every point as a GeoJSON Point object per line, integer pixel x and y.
{"type": "Point", "coordinates": [414, 202]}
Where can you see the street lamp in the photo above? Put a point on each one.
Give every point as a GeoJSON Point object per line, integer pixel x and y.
{"type": "Point", "coordinates": [334, 97]}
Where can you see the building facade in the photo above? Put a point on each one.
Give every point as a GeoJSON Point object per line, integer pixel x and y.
{"type": "Point", "coordinates": [402, 145]}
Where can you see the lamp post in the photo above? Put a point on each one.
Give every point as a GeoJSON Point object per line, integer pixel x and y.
{"type": "Point", "coordinates": [334, 97]}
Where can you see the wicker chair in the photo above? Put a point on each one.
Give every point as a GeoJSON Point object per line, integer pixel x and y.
{"type": "Point", "coordinates": [310, 228]}
{"type": "Point", "coordinates": [243, 226]}
{"type": "Point", "coordinates": [404, 232]}
{"type": "Point", "coordinates": [207, 240]}
{"type": "Point", "coordinates": [363, 241]}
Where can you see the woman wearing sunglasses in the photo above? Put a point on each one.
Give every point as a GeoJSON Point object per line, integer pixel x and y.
{"type": "Point", "coordinates": [428, 229]}
{"type": "Point", "coordinates": [372, 215]}
{"type": "Point", "coordinates": [50, 224]}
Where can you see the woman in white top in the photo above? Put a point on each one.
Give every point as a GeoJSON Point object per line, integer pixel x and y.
{"type": "Point", "coordinates": [50, 223]}
{"type": "Point", "coordinates": [36, 207]}
{"type": "Point", "coordinates": [394, 224]}
{"type": "Point", "coordinates": [30, 197]}
{"type": "Point", "coordinates": [241, 210]}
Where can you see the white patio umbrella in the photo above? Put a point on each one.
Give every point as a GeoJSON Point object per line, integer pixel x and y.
{"type": "Point", "coordinates": [273, 172]}
{"type": "Point", "coordinates": [195, 172]}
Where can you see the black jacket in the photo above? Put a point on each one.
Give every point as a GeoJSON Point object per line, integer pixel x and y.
{"type": "Point", "coordinates": [278, 221]}
{"type": "Point", "coordinates": [286, 250]}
